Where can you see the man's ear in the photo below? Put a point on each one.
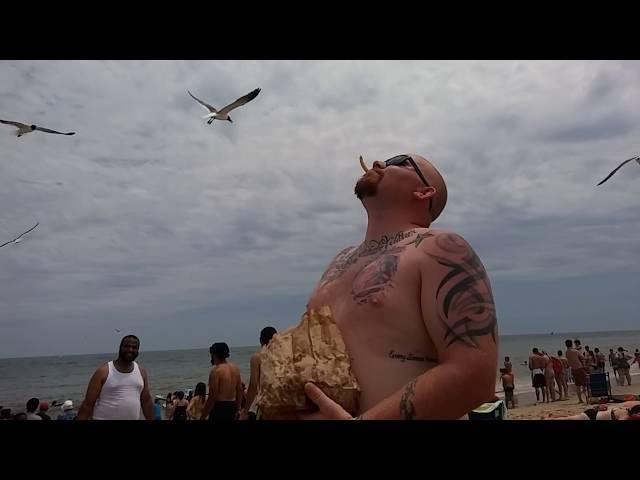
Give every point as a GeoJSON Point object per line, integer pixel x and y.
{"type": "Point", "coordinates": [424, 193]}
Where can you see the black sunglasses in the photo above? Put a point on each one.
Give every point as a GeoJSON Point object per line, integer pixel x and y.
{"type": "Point", "coordinates": [399, 160]}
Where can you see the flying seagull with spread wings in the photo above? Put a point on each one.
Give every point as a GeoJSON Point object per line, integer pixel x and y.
{"type": "Point", "coordinates": [23, 128]}
{"type": "Point", "coordinates": [223, 113]}
{"type": "Point", "coordinates": [636, 158]}
{"type": "Point", "coordinates": [18, 239]}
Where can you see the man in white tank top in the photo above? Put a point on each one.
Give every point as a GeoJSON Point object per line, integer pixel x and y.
{"type": "Point", "coordinates": [119, 389]}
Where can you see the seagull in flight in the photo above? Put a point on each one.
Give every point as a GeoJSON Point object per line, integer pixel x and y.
{"type": "Point", "coordinates": [23, 128]}
{"type": "Point", "coordinates": [18, 239]}
{"type": "Point", "coordinates": [223, 113]}
{"type": "Point", "coordinates": [636, 158]}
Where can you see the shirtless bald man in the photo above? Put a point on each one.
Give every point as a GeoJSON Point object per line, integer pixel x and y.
{"type": "Point", "coordinates": [414, 304]}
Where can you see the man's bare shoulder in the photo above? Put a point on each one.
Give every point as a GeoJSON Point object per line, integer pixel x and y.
{"type": "Point", "coordinates": [235, 370]}
{"type": "Point", "coordinates": [102, 372]}
{"type": "Point", "coordinates": [445, 242]}
{"type": "Point", "coordinates": [455, 282]}
{"type": "Point", "coordinates": [339, 264]}
{"type": "Point", "coordinates": [445, 250]}
{"type": "Point", "coordinates": [103, 369]}
{"type": "Point", "coordinates": [255, 359]}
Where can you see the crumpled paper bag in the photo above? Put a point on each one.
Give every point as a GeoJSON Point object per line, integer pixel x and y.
{"type": "Point", "coordinates": [311, 352]}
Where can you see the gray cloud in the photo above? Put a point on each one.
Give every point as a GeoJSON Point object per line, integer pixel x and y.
{"type": "Point", "coordinates": [153, 221]}
{"type": "Point", "coordinates": [598, 129]}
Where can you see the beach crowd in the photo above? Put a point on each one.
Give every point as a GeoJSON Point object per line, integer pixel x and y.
{"type": "Point", "coordinates": [551, 374]}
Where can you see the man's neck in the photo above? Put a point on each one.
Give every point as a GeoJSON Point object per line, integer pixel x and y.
{"type": "Point", "coordinates": [123, 365]}
{"type": "Point", "coordinates": [381, 223]}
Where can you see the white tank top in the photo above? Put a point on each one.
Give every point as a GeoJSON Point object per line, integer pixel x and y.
{"type": "Point", "coordinates": [120, 395]}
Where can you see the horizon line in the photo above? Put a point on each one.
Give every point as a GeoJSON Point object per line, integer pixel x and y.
{"type": "Point", "coordinates": [554, 333]}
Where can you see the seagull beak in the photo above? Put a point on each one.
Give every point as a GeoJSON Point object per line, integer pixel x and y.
{"type": "Point", "coordinates": [363, 165]}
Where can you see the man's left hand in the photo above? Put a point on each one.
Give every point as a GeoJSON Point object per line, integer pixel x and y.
{"type": "Point", "coordinates": [327, 408]}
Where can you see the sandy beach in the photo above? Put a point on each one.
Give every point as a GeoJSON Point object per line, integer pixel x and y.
{"type": "Point", "coordinates": [528, 409]}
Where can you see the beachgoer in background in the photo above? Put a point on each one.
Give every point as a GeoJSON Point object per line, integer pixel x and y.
{"type": "Point", "coordinates": [5, 414]}
{"type": "Point", "coordinates": [613, 361]}
{"type": "Point", "coordinates": [623, 366]}
{"type": "Point", "coordinates": [636, 358]}
{"type": "Point", "coordinates": [567, 373]}
{"type": "Point", "coordinates": [266, 334]}
{"type": "Point", "coordinates": [157, 409]}
{"type": "Point", "coordinates": [600, 360]}
{"type": "Point", "coordinates": [578, 346]}
{"type": "Point", "coordinates": [44, 407]}
{"type": "Point", "coordinates": [590, 360]}
{"type": "Point", "coordinates": [549, 377]}
{"type": "Point", "coordinates": [67, 411]}
{"type": "Point", "coordinates": [189, 395]}
{"type": "Point", "coordinates": [120, 388]}
{"type": "Point", "coordinates": [560, 367]}
{"type": "Point", "coordinates": [32, 406]}
{"type": "Point", "coordinates": [537, 365]}
{"type": "Point", "coordinates": [180, 408]}
{"type": "Point", "coordinates": [225, 386]}
{"type": "Point", "coordinates": [197, 403]}
{"type": "Point", "coordinates": [508, 365]}
{"type": "Point", "coordinates": [430, 281]}
{"type": "Point", "coordinates": [579, 374]}
{"type": "Point", "coordinates": [168, 406]}
{"type": "Point", "coordinates": [508, 387]}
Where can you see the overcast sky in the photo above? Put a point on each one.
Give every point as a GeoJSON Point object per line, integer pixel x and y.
{"type": "Point", "coordinates": [155, 223]}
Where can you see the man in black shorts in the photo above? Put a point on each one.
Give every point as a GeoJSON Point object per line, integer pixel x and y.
{"type": "Point", "coordinates": [537, 363]}
{"type": "Point", "coordinates": [225, 386]}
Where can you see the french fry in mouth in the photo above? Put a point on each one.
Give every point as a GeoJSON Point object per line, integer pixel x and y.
{"type": "Point", "coordinates": [363, 165]}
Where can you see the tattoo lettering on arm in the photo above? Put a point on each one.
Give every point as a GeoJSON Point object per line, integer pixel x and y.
{"type": "Point", "coordinates": [407, 408]}
{"type": "Point", "coordinates": [349, 256]}
{"type": "Point", "coordinates": [410, 357]}
{"type": "Point", "coordinates": [464, 294]}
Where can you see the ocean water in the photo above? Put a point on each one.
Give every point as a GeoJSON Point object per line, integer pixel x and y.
{"type": "Point", "coordinates": [66, 377]}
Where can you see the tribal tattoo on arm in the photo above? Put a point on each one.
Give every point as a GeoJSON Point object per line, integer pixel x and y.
{"type": "Point", "coordinates": [464, 296]}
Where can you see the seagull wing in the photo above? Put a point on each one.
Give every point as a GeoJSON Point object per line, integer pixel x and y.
{"type": "Point", "coordinates": [15, 124]}
{"type": "Point", "coordinates": [618, 168]}
{"type": "Point", "coordinates": [204, 104]}
{"type": "Point", "coordinates": [241, 101]}
{"type": "Point", "coordinates": [42, 129]}
{"type": "Point", "coordinates": [20, 236]}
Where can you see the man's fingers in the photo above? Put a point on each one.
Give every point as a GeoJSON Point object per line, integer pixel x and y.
{"type": "Point", "coordinates": [324, 403]}
{"type": "Point", "coordinates": [317, 396]}
{"type": "Point", "coordinates": [327, 408]}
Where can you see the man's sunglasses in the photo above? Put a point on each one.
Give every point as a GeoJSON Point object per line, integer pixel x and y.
{"type": "Point", "coordinates": [400, 160]}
